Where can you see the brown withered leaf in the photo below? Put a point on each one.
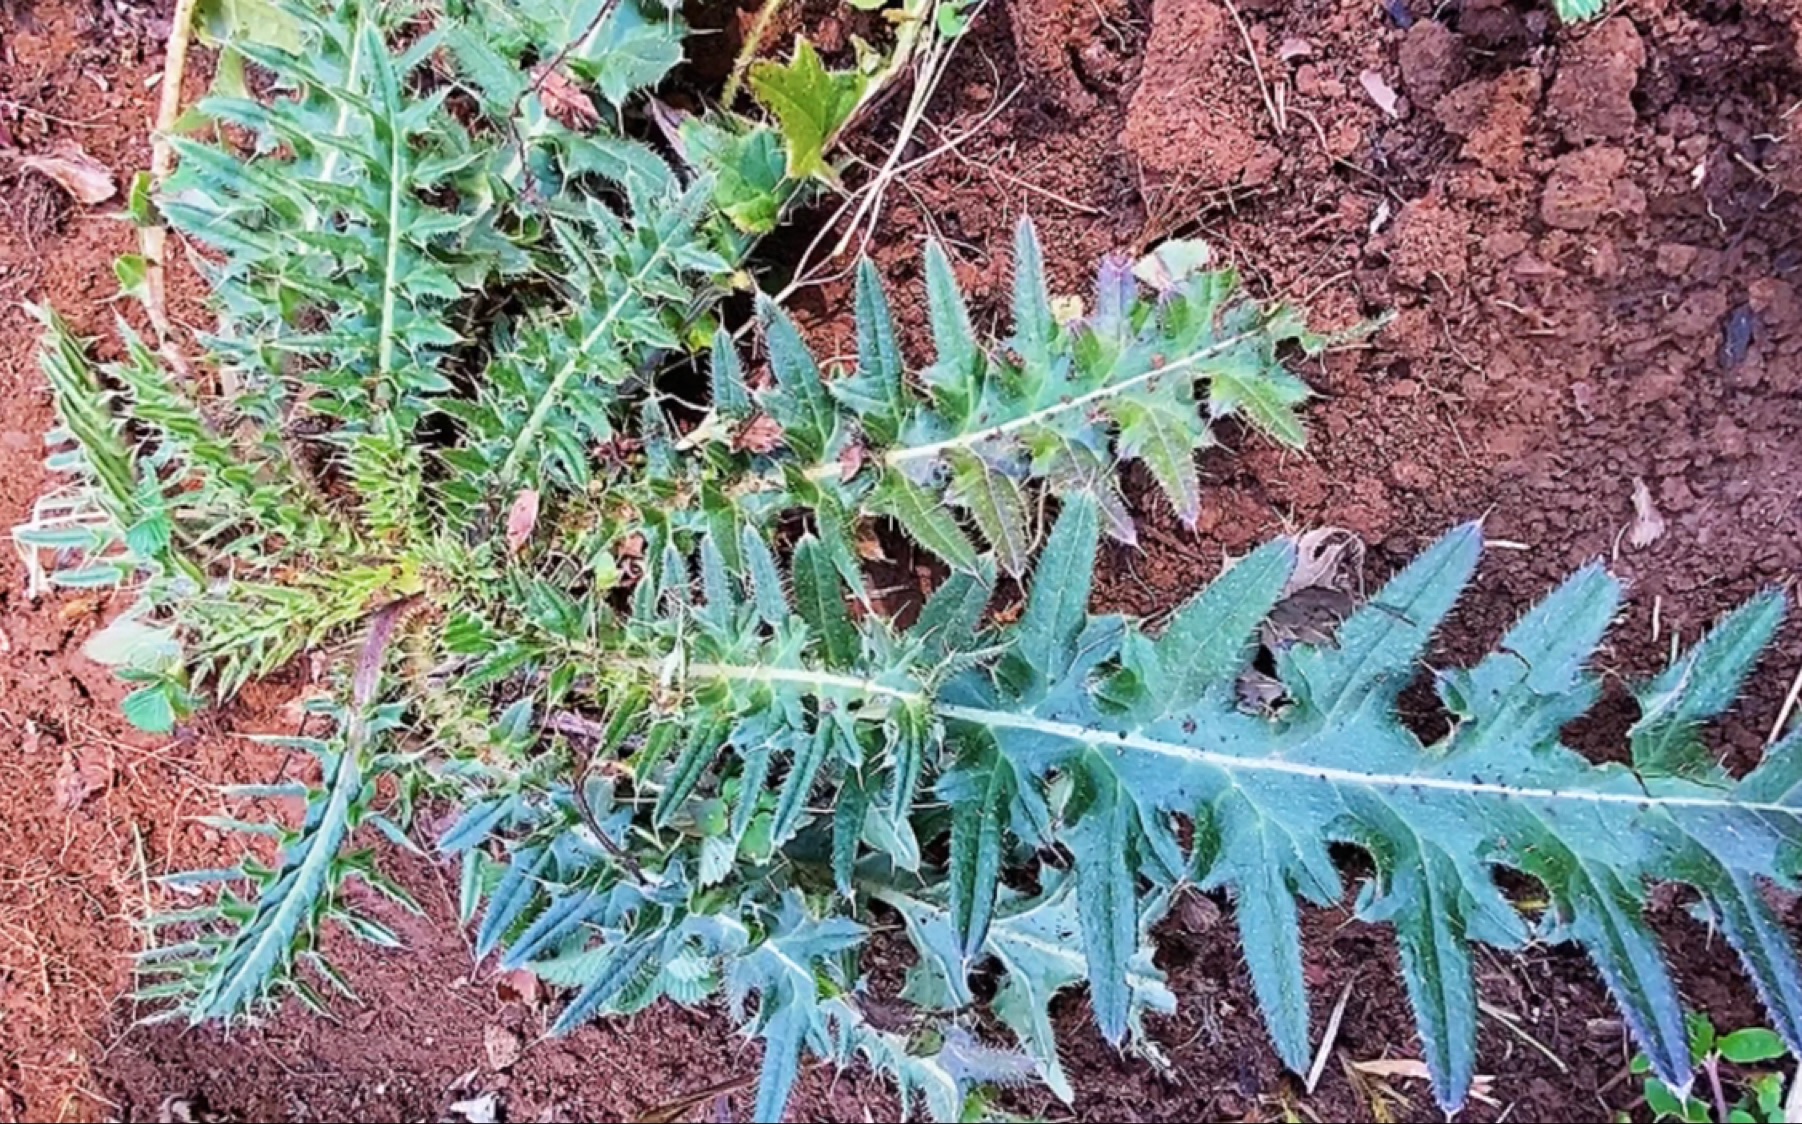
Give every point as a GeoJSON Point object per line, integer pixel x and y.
{"type": "Point", "coordinates": [850, 460]}
{"type": "Point", "coordinates": [567, 103]}
{"type": "Point", "coordinates": [520, 986]}
{"type": "Point", "coordinates": [522, 519]}
{"type": "Point", "coordinates": [503, 1046]}
{"type": "Point", "coordinates": [70, 167]}
{"type": "Point", "coordinates": [78, 778]}
{"type": "Point", "coordinates": [759, 435]}
{"type": "Point", "coordinates": [1648, 524]}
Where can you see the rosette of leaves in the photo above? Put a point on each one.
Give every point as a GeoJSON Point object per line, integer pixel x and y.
{"type": "Point", "coordinates": [687, 764]}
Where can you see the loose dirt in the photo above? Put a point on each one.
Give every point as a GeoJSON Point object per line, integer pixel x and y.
{"type": "Point", "coordinates": [1591, 244]}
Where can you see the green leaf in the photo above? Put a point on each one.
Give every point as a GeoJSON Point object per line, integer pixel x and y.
{"type": "Point", "coordinates": [1576, 11]}
{"type": "Point", "coordinates": [730, 395]}
{"type": "Point", "coordinates": [1035, 329]}
{"type": "Point", "coordinates": [975, 873]}
{"type": "Point", "coordinates": [1206, 642]}
{"type": "Point", "coordinates": [1752, 1045]}
{"type": "Point", "coordinates": [1165, 434]}
{"type": "Point", "coordinates": [997, 504]}
{"type": "Point", "coordinates": [766, 580]}
{"type": "Point", "coordinates": [132, 273]}
{"type": "Point", "coordinates": [1057, 608]}
{"type": "Point", "coordinates": [129, 642]}
{"type": "Point", "coordinates": [150, 709]}
{"type": "Point", "coordinates": [811, 752]}
{"type": "Point", "coordinates": [1106, 900]}
{"type": "Point", "coordinates": [929, 522]}
{"type": "Point", "coordinates": [1265, 396]}
{"type": "Point", "coordinates": [704, 743]}
{"type": "Point", "coordinates": [1700, 686]}
{"type": "Point", "coordinates": [249, 21]}
{"type": "Point", "coordinates": [877, 391]}
{"type": "Point", "coordinates": [800, 403]}
{"type": "Point", "coordinates": [954, 339]}
{"type": "Point", "coordinates": [1663, 1103]}
{"type": "Point", "coordinates": [811, 103]}
{"type": "Point", "coordinates": [822, 604]}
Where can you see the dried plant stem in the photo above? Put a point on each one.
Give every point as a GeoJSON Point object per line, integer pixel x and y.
{"type": "Point", "coordinates": [1277, 117]}
{"type": "Point", "coordinates": [153, 238]}
{"type": "Point", "coordinates": [747, 51]}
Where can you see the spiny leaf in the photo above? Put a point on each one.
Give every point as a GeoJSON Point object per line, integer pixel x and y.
{"type": "Point", "coordinates": [822, 605]}
{"type": "Point", "coordinates": [1700, 686]}
{"type": "Point", "coordinates": [975, 872]}
{"type": "Point", "coordinates": [1205, 642]}
{"type": "Point", "coordinates": [929, 522]}
{"type": "Point", "coordinates": [998, 506]}
{"type": "Point", "coordinates": [1107, 902]}
{"type": "Point", "coordinates": [1057, 608]}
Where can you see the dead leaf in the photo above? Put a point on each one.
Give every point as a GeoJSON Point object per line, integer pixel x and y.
{"type": "Point", "coordinates": [1320, 593]}
{"type": "Point", "coordinates": [521, 519]}
{"type": "Point", "coordinates": [70, 167]}
{"type": "Point", "coordinates": [293, 713]}
{"type": "Point", "coordinates": [78, 778]}
{"type": "Point", "coordinates": [504, 1047]}
{"type": "Point", "coordinates": [1295, 48]}
{"type": "Point", "coordinates": [869, 548]}
{"type": "Point", "coordinates": [850, 460]}
{"type": "Point", "coordinates": [1196, 913]}
{"type": "Point", "coordinates": [567, 103]}
{"type": "Point", "coordinates": [79, 608]}
{"type": "Point", "coordinates": [1648, 525]}
{"type": "Point", "coordinates": [1414, 1069]}
{"type": "Point", "coordinates": [188, 1110]}
{"type": "Point", "coordinates": [1328, 558]}
{"type": "Point", "coordinates": [520, 986]}
{"type": "Point", "coordinates": [1395, 1067]}
{"type": "Point", "coordinates": [1380, 92]}
{"type": "Point", "coordinates": [759, 435]}
{"type": "Point", "coordinates": [478, 1110]}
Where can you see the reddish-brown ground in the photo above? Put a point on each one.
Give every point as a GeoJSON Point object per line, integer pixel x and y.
{"type": "Point", "coordinates": [1591, 240]}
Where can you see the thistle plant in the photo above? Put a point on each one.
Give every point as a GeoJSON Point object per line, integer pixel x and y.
{"type": "Point", "coordinates": [624, 626]}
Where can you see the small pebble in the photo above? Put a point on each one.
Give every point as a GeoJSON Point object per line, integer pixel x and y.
{"type": "Point", "coordinates": [1737, 336]}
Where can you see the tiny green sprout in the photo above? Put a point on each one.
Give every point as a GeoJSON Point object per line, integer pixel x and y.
{"type": "Point", "coordinates": [1759, 1098]}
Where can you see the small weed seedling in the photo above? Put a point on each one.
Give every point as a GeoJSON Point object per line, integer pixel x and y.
{"type": "Point", "coordinates": [1757, 1097]}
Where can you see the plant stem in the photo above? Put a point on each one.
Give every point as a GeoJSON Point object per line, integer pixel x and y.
{"type": "Point", "coordinates": [153, 239]}
{"type": "Point", "coordinates": [1712, 1067]}
{"type": "Point", "coordinates": [747, 51]}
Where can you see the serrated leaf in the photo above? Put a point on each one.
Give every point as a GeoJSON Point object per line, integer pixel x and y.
{"type": "Point", "coordinates": [800, 403]}
{"type": "Point", "coordinates": [1699, 686]}
{"type": "Point", "coordinates": [1035, 329]}
{"type": "Point", "coordinates": [926, 519]}
{"type": "Point", "coordinates": [998, 507]}
{"type": "Point", "coordinates": [821, 603]}
{"type": "Point", "coordinates": [1205, 643]}
{"type": "Point", "coordinates": [1057, 608]}
{"type": "Point", "coordinates": [1265, 397]}
{"type": "Point", "coordinates": [1165, 434]}
{"type": "Point", "coordinates": [975, 870]}
{"type": "Point", "coordinates": [1107, 902]}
